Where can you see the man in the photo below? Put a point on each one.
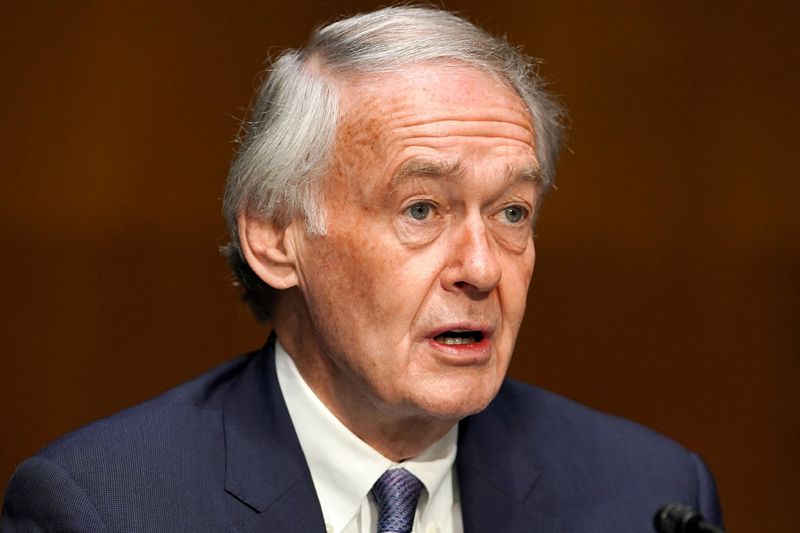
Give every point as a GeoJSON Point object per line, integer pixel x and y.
{"type": "Point", "coordinates": [381, 209]}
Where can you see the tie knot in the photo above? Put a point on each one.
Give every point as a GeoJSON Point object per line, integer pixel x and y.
{"type": "Point", "coordinates": [396, 492]}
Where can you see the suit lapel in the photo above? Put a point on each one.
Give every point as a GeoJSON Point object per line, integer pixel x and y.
{"type": "Point", "coordinates": [265, 468]}
{"type": "Point", "coordinates": [498, 484]}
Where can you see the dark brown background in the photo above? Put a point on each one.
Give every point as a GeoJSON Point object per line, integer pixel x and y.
{"type": "Point", "coordinates": [667, 285]}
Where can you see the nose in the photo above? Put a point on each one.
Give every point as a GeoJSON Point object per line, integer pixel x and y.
{"type": "Point", "coordinates": [473, 266]}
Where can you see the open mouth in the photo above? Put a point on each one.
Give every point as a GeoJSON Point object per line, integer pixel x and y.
{"type": "Point", "coordinates": [455, 337]}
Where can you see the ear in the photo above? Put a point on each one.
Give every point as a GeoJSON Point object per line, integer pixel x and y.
{"type": "Point", "coordinates": [264, 246]}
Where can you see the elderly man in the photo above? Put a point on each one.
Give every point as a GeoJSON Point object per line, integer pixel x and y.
{"type": "Point", "coordinates": [381, 208]}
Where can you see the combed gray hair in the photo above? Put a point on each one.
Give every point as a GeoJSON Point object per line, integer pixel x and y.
{"type": "Point", "coordinates": [287, 143]}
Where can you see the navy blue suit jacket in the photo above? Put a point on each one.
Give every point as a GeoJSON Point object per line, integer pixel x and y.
{"type": "Point", "coordinates": [220, 453]}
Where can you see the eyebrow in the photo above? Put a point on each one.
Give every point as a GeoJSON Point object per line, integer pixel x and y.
{"type": "Point", "coordinates": [528, 174]}
{"type": "Point", "coordinates": [426, 168]}
{"type": "Point", "coordinates": [430, 168]}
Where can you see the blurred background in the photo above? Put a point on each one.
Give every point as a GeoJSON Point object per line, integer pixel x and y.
{"type": "Point", "coordinates": [667, 285]}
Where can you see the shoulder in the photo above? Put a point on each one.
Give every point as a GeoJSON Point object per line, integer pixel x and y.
{"type": "Point", "coordinates": [130, 466]}
{"type": "Point", "coordinates": [166, 419]}
{"type": "Point", "coordinates": [585, 453]}
{"type": "Point", "coordinates": [549, 416]}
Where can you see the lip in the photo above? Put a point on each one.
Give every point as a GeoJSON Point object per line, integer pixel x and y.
{"type": "Point", "coordinates": [476, 353]}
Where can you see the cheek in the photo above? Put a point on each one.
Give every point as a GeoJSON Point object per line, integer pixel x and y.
{"type": "Point", "coordinates": [526, 268]}
{"type": "Point", "coordinates": [344, 267]}
{"type": "Point", "coordinates": [348, 277]}
{"type": "Point", "coordinates": [516, 282]}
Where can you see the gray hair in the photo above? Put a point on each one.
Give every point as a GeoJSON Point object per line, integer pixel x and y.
{"type": "Point", "coordinates": [287, 143]}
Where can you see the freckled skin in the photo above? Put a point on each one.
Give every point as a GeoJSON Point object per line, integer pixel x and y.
{"type": "Point", "coordinates": [374, 288]}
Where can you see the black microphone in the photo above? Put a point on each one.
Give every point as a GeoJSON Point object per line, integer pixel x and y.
{"type": "Point", "coordinates": [681, 518]}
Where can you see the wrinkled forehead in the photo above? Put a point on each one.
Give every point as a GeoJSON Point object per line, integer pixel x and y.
{"type": "Point", "coordinates": [379, 112]}
{"type": "Point", "coordinates": [424, 87]}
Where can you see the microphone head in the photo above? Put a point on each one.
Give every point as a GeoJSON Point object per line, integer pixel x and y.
{"type": "Point", "coordinates": [677, 518]}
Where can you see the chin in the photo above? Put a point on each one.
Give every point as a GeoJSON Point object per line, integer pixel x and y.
{"type": "Point", "coordinates": [455, 402]}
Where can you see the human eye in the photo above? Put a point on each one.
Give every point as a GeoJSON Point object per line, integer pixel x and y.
{"type": "Point", "coordinates": [514, 214]}
{"type": "Point", "coordinates": [419, 210]}
{"type": "Point", "coordinates": [420, 221]}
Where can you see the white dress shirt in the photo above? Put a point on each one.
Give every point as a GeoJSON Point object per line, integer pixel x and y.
{"type": "Point", "coordinates": [344, 468]}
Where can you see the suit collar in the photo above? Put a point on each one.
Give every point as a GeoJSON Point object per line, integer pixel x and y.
{"type": "Point", "coordinates": [499, 484]}
{"type": "Point", "coordinates": [265, 467]}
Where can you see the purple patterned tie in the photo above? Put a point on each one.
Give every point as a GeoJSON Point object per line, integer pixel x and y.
{"type": "Point", "coordinates": [396, 492]}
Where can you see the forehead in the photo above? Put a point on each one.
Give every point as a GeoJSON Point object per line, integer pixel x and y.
{"type": "Point", "coordinates": [429, 100]}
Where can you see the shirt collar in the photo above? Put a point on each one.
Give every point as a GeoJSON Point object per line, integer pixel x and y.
{"type": "Point", "coordinates": [343, 467]}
